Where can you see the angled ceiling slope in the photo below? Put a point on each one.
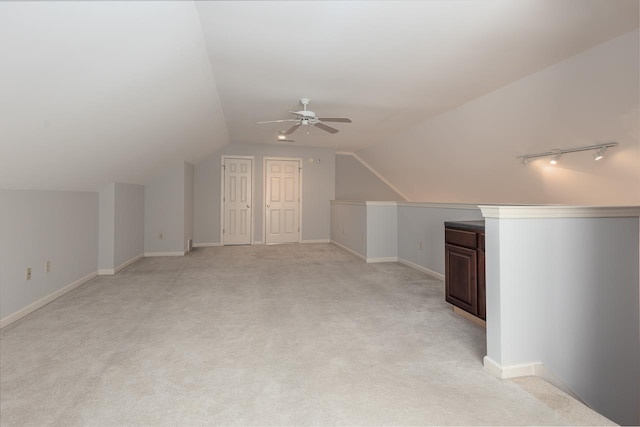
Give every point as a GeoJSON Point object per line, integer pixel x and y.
{"type": "Point", "coordinates": [97, 92]}
{"type": "Point", "coordinates": [388, 65]}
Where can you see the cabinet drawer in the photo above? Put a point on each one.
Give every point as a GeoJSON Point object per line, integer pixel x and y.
{"type": "Point", "coordinates": [461, 238]}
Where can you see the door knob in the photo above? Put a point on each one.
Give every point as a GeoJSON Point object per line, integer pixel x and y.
{"type": "Point", "coordinates": [248, 206]}
{"type": "Point", "coordinates": [268, 206]}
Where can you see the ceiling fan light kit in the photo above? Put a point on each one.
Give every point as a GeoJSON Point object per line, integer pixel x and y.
{"type": "Point", "coordinates": [306, 117]}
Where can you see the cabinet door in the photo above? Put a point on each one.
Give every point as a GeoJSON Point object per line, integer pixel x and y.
{"type": "Point", "coordinates": [461, 278]}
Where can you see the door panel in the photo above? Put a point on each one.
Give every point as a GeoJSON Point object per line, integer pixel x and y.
{"type": "Point", "coordinates": [282, 201]}
{"type": "Point", "coordinates": [237, 202]}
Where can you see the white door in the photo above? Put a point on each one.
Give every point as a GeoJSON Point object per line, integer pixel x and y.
{"type": "Point", "coordinates": [237, 202]}
{"type": "Point", "coordinates": [282, 198]}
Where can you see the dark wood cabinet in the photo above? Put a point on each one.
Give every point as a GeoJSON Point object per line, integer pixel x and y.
{"type": "Point", "coordinates": [465, 266]}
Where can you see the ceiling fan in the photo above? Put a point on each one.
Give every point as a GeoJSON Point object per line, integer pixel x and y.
{"type": "Point", "coordinates": [306, 117]}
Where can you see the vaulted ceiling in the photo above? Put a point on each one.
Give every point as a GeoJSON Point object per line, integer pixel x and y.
{"type": "Point", "coordinates": [96, 92]}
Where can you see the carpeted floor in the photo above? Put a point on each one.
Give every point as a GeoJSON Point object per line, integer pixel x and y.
{"type": "Point", "coordinates": [262, 335]}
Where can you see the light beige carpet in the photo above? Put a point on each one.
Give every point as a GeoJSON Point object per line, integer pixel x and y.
{"type": "Point", "coordinates": [261, 335]}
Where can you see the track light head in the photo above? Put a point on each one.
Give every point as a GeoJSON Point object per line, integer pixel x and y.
{"type": "Point", "coordinates": [600, 153]}
{"type": "Point", "coordinates": [554, 160]}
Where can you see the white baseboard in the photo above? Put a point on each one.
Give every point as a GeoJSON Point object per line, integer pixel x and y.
{"type": "Point", "coordinates": [526, 370]}
{"type": "Point", "coordinates": [205, 245]}
{"type": "Point", "coordinates": [317, 241]}
{"type": "Point", "coordinates": [421, 268]}
{"type": "Point", "coordinates": [152, 254]}
{"type": "Point", "coordinates": [511, 371]}
{"type": "Point", "coordinates": [129, 262]}
{"type": "Point", "coordinates": [387, 259]}
{"type": "Point", "coordinates": [112, 271]}
{"type": "Point", "coordinates": [349, 250]}
{"type": "Point", "coordinates": [46, 300]}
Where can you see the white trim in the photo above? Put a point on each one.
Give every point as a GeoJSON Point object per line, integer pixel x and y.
{"type": "Point", "coordinates": [129, 262]}
{"type": "Point", "coordinates": [536, 369]}
{"type": "Point", "coordinates": [375, 172]}
{"type": "Point", "coordinates": [152, 254]}
{"type": "Point", "coordinates": [223, 157]}
{"type": "Point", "coordinates": [205, 245]}
{"type": "Point", "coordinates": [258, 242]}
{"type": "Point", "coordinates": [556, 211]}
{"type": "Point", "coordinates": [349, 250]}
{"type": "Point", "coordinates": [421, 268]}
{"type": "Point", "coordinates": [348, 202]}
{"type": "Point", "coordinates": [384, 259]}
{"type": "Point", "coordinates": [465, 206]}
{"type": "Point", "coordinates": [106, 272]}
{"type": "Point", "coordinates": [382, 203]}
{"type": "Point", "coordinates": [317, 241]}
{"type": "Point", "coordinates": [46, 300]}
{"type": "Point", "coordinates": [300, 161]}
{"type": "Point", "coordinates": [492, 366]}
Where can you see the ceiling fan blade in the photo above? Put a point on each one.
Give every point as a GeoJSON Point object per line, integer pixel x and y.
{"type": "Point", "coordinates": [278, 121]}
{"type": "Point", "coordinates": [326, 128]}
{"type": "Point", "coordinates": [292, 129]}
{"type": "Point", "coordinates": [335, 119]}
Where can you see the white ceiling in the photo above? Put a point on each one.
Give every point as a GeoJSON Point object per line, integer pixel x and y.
{"type": "Point", "coordinates": [386, 64]}
{"type": "Point", "coordinates": [96, 92]}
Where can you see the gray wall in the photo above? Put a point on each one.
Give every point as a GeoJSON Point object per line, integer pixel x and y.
{"type": "Point", "coordinates": [349, 226]}
{"type": "Point", "coordinates": [164, 210]}
{"type": "Point", "coordinates": [318, 188]}
{"type": "Point", "coordinates": [425, 224]}
{"type": "Point", "coordinates": [382, 231]}
{"type": "Point", "coordinates": [355, 182]}
{"type": "Point", "coordinates": [106, 220]}
{"type": "Point", "coordinates": [36, 226]}
{"type": "Point", "coordinates": [564, 291]}
{"type": "Point", "coordinates": [128, 234]}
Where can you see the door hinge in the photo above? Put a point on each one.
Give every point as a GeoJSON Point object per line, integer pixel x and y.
{"type": "Point", "coordinates": [223, 231]}
{"type": "Point", "coordinates": [298, 229]}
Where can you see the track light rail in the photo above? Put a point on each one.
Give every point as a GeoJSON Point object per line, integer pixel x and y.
{"type": "Point", "coordinates": [557, 152]}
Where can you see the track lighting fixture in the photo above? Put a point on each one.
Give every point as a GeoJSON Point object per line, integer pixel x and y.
{"type": "Point", "coordinates": [282, 137]}
{"type": "Point", "coordinates": [555, 159]}
{"type": "Point", "coordinates": [598, 154]}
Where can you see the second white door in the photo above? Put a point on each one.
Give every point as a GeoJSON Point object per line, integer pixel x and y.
{"type": "Point", "coordinates": [282, 198]}
{"type": "Point", "coordinates": [237, 201]}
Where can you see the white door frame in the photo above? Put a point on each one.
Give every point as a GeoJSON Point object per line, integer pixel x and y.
{"type": "Point", "coordinates": [253, 186]}
{"type": "Point", "coordinates": [264, 194]}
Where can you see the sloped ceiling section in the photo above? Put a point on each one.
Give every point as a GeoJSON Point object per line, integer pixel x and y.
{"type": "Point", "coordinates": [388, 65]}
{"type": "Point", "coordinates": [97, 92]}
{"type": "Point", "coordinates": [469, 154]}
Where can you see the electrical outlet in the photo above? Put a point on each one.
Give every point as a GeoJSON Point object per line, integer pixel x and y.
{"type": "Point", "coordinates": [28, 273]}
{"type": "Point", "coordinates": [160, 236]}
{"type": "Point", "coordinates": [420, 245]}
{"type": "Point", "coordinates": [47, 266]}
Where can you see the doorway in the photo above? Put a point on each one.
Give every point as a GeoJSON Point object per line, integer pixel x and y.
{"type": "Point", "coordinates": [236, 204]}
{"type": "Point", "coordinates": [283, 181]}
